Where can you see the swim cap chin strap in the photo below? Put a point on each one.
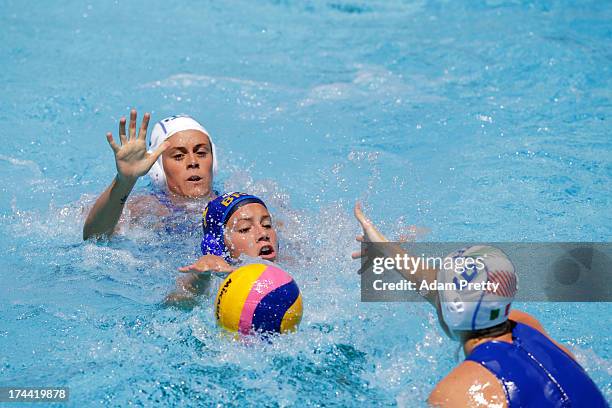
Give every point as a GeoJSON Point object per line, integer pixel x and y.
{"type": "Point", "coordinates": [470, 309]}
{"type": "Point", "coordinates": [215, 216]}
{"type": "Point", "coordinates": [163, 130]}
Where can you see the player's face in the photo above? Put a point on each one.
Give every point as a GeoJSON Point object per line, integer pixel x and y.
{"type": "Point", "coordinates": [188, 164]}
{"type": "Point", "coordinates": [250, 231]}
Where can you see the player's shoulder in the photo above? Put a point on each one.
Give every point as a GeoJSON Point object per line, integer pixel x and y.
{"type": "Point", "coordinates": [526, 318]}
{"type": "Point", "coordinates": [146, 203]}
{"type": "Point", "coordinates": [469, 384]}
{"type": "Point", "coordinates": [529, 320]}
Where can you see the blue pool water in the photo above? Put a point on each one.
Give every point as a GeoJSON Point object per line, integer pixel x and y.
{"type": "Point", "coordinates": [479, 120]}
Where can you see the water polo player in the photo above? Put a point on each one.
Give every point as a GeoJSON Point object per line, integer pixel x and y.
{"type": "Point", "coordinates": [236, 225]}
{"type": "Point", "coordinates": [510, 359]}
{"type": "Point", "coordinates": [181, 161]}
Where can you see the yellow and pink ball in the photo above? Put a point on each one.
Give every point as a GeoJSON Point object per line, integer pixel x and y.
{"type": "Point", "coordinates": [259, 298]}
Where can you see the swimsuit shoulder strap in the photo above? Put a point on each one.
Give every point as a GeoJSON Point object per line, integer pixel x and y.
{"type": "Point", "coordinates": [533, 370]}
{"type": "Point", "coordinates": [165, 200]}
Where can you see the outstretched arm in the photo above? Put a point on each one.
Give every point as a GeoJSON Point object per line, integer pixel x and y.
{"type": "Point", "coordinates": [196, 278]}
{"type": "Point", "coordinates": [390, 250]}
{"type": "Point", "coordinates": [132, 161]}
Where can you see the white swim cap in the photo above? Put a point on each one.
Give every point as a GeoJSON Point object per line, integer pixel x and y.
{"type": "Point", "coordinates": [162, 131]}
{"type": "Point", "coordinates": [471, 308]}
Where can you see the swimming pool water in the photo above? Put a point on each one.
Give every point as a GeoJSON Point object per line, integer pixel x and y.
{"type": "Point", "coordinates": [482, 121]}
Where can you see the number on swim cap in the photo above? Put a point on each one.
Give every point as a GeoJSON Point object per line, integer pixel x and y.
{"type": "Point", "coordinates": [229, 199]}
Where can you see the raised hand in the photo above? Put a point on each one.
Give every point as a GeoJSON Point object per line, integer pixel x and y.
{"type": "Point", "coordinates": [132, 158]}
{"type": "Point", "coordinates": [370, 232]}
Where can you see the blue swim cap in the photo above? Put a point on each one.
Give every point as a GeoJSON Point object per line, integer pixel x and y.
{"type": "Point", "coordinates": [215, 216]}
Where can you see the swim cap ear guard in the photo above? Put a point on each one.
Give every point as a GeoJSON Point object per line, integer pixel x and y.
{"type": "Point", "coordinates": [468, 309]}
{"type": "Point", "coordinates": [162, 131]}
{"type": "Point", "coordinates": [213, 245]}
{"type": "Point", "coordinates": [215, 216]}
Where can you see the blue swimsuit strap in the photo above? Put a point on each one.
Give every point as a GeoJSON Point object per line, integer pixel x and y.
{"type": "Point", "coordinates": [178, 222]}
{"type": "Point", "coordinates": [534, 370]}
{"type": "Point", "coordinates": [165, 200]}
